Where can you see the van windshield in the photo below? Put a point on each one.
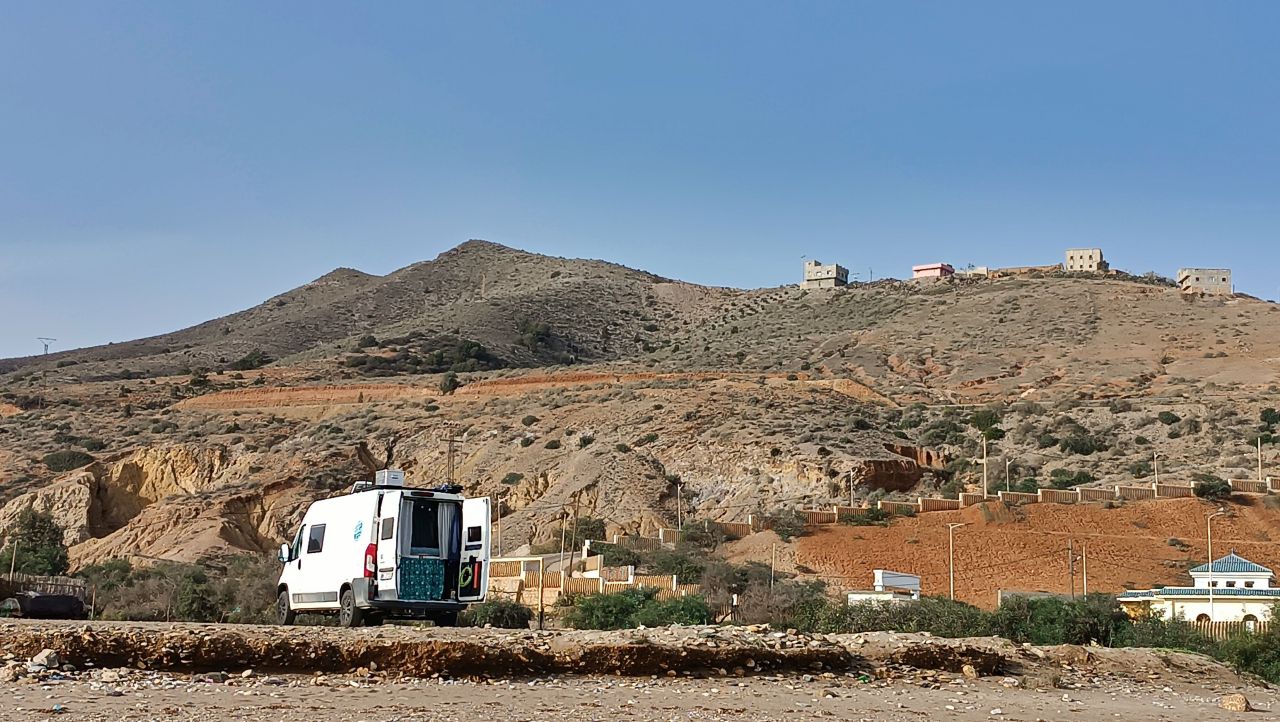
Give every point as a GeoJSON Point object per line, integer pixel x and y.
{"type": "Point", "coordinates": [424, 527]}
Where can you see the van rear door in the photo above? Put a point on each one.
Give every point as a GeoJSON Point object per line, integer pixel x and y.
{"type": "Point", "coordinates": [388, 532]}
{"type": "Point", "coordinates": [473, 575]}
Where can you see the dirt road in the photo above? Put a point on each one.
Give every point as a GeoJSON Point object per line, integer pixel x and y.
{"type": "Point", "coordinates": [116, 671]}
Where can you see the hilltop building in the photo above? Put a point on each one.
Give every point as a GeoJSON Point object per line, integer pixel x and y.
{"type": "Point", "coordinates": [1205, 281]}
{"type": "Point", "coordinates": [1085, 260]}
{"type": "Point", "coordinates": [1242, 592]}
{"type": "Point", "coordinates": [932, 270]}
{"type": "Point", "coordinates": [889, 587]}
{"type": "Point", "coordinates": [817, 275]}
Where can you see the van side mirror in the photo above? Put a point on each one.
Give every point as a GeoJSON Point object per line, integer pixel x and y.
{"type": "Point", "coordinates": [284, 553]}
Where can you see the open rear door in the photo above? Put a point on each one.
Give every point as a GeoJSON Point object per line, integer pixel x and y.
{"type": "Point", "coordinates": [473, 575]}
{"type": "Point", "coordinates": [387, 535]}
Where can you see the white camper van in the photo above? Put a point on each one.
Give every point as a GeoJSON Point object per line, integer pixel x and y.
{"type": "Point", "coordinates": [386, 550]}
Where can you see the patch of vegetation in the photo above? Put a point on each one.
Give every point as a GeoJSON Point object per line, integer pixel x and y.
{"type": "Point", "coordinates": [67, 460]}
{"type": "Point", "coordinates": [497, 613]}
{"type": "Point", "coordinates": [787, 524]}
{"type": "Point", "coordinates": [38, 543]}
{"type": "Point", "coordinates": [1168, 418]}
{"type": "Point", "coordinates": [634, 607]}
{"type": "Point", "coordinates": [1213, 490]}
{"type": "Point", "coordinates": [512, 478]}
{"type": "Point", "coordinates": [255, 359]}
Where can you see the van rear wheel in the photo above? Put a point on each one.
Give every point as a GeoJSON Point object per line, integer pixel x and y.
{"type": "Point", "coordinates": [284, 611]}
{"type": "Point", "coordinates": [349, 615]}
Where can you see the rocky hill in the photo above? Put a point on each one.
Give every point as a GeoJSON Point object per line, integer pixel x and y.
{"type": "Point", "coordinates": [589, 389]}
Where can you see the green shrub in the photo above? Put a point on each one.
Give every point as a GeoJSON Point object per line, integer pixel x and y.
{"type": "Point", "coordinates": [67, 460]}
{"type": "Point", "coordinates": [686, 568]}
{"type": "Point", "coordinates": [634, 607]}
{"type": "Point", "coordinates": [553, 444]}
{"type": "Point", "coordinates": [871, 516]}
{"type": "Point", "coordinates": [449, 383]}
{"type": "Point", "coordinates": [497, 613]}
{"type": "Point", "coordinates": [1168, 418]}
{"type": "Point", "coordinates": [646, 439]}
{"type": "Point", "coordinates": [616, 555]}
{"type": "Point", "coordinates": [622, 448]}
{"type": "Point", "coordinates": [1213, 490]}
{"type": "Point", "coordinates": [787, 524]}
{"type": "Point", "coordinates": [585, 440]}
{"type": "Point", "coordinates": [529, 420]}
{"type": "Point", "coordinates": [255, 359]}
{"type": "Point", "coordinates": [1082, 444]}
{"type": "Point", "coordinates": [91, 444]}
{"type": "Point", "coordinates": [512, 478]}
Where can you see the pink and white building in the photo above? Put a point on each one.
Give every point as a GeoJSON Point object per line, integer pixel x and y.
{"type": "Point", "coordinates": [932, 270]}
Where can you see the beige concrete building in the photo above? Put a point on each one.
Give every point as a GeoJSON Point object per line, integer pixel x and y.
{"type": "Point", "coordinates": [1085, 260]}
{"type": "Point", "coordinates": [1207, 281]}
{"type": "Point", "coordinates": [817, 275]}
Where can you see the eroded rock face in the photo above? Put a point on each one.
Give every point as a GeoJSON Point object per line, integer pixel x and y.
{"type": "Point", "coordinates": [69, 500]}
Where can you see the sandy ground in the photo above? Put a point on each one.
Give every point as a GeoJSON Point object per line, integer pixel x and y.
{"type": "Point", "coordinates": [594, 698]}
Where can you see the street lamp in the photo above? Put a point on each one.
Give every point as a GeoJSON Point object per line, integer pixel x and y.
{"type": "Point", "coordinates": [1007, 462]}
{"type": "Point", "coordinates": [1208, 523]}
{"type": "Point", "coordinates": [951, 556]}
{"type": "Point", "coordinates": [1155, 459]}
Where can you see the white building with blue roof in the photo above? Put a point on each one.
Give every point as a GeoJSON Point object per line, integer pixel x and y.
{"type": "Point", "coordinates": [1230, 589]}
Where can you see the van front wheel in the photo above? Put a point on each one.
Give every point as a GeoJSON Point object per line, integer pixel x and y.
{"type": "Point", "coordinates": [349, 615]}
{"type": "Point", "coordinates": [284, 611]}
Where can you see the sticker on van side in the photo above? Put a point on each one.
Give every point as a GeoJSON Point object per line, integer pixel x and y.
{"type": "Point", "coordinates": [359, 530]}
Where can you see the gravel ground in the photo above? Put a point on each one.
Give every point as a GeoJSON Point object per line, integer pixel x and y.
{"type": "Point", "coordinates": [154, 696]}
{"type": "Point", "coordinates": [120, 671]}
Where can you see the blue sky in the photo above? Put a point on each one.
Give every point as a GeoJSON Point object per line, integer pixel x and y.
{"type": "Point", "coordinates": [166, 163]}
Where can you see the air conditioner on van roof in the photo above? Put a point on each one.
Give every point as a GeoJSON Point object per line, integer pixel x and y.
{"type": "Point", "coordinates": [389, 477]}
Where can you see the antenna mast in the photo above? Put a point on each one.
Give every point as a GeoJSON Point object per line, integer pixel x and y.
{"type": "Point", "coordinates": [46, 341]}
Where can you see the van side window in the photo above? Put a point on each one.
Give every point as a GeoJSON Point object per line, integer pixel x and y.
{"type": "Point", "coordinates": [295, 551]}
{"type": "Point", "coordinates": [315, 540]}
{"type": "Point", "coordinates": [473, 535]}
{"type": "Point", "coordinates": [388, 528]}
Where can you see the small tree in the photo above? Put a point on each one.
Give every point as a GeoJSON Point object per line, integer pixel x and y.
{"type": "Point", "coordinates": [67, 460]}
{"type": "Point", "coordinates": [450, 383]}
{"type": "Point", "coordinates": [1212, 489]}
{"type": "Point", "coordinates": [37, 540]}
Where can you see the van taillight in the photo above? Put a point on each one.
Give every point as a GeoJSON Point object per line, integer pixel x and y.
{"type": "Point", "coordinates": [370, 561]}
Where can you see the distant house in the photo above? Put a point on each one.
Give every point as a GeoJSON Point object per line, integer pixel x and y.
{"type": "Point", "coordinates": [817, 275]}
{"type": "Point", "coordinates": [889, 587]}
{"type": "Point", "coordinates": [1085, 260]}
{"type": "Point", "coordinates": [974, 272]}
{"type": "Point", "coordinates": [1242, 592]}
{"type": "Point", "coordinates": [1205, 281]}
{"type": "Point", "coordinates": [932, 270]}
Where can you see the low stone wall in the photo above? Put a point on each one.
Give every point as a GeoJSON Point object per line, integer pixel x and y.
{"type": "Point", "coordinates": [967, 499]}
{"type": "Point", "coordinates": [815, 516]}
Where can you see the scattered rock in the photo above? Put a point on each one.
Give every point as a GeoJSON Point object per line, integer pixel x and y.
{"type": "Point", "coordinates": [1235, 703]}
{"type": "Point", "coordinates": [47, 658]}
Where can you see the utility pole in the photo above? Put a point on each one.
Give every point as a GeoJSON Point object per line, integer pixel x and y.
{"type": "Point", "coordinates": [1084, 561]}
{"type": "Point", "coordinates": [1071, 565]}
{"type": "Point", "coordinates": [497, 508]}
{"type": "Point", "coordinates": [773, 563]}
{"type": "Point", "coordinates": [564, 517]}
{"type": "Point", "coordinates": [985, 491]}
{"type": "Point", "coordinates": [1007, 462]}
{"type": "Point", "coordinates": [13, 561]}
{"type": "Point", "coordinates": [46, 341]}
{"type": "Point", "coordinates": [450, 439]}
{"type": "Point", "coordinates": [1155, 461]}
{"type": "Point", "coordinates": [951, 556]}
{"type": "Point", "coordinates": [1260, 479]}
{"type": "Point", "coordinates": [1208, 523]}
{"type": "Point", "coordinates": [851, 504]}
{"type": "Point", "coordinates": [679, 504]}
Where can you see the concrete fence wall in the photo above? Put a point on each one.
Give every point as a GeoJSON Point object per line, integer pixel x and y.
{"type": "Point", "coordinates": [815, 516]}
{"type": "Point", "coordinates": [1097, 493]}
{"type": "Point", "coordinates": [967, 499]}
{"type": "Point", "coordinates": [898, 507]}
{"type": "Point", "coordinates": [1134, 493]}
{"type": "Point", "coordinates": [1018, 497]}
{"type": "Point", "coordinates": [1173, 491]}
{"type": "Point", "coordinates": [932, 504]}
{"type": "Point", "coordinates": [1249, 486]}
{"type": "Point", "coordinates": [737, 529]}
{"type": "Point", "coordinates": [1059, 496]}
